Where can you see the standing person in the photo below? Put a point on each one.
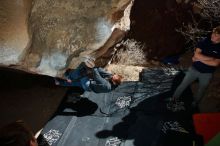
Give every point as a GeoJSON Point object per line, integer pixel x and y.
{"type": "Point", "coordinates": [91, 78]}
{"type": "Point", "coordinates": [17, 134]}
{"type": "Point", "coordinates": [205, 60]}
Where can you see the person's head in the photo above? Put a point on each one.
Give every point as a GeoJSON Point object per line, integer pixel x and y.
{"type": "Point", "coordinates": [215, 37]}
{"type": "Point", "coordinates": [116, 79]}
{"type": "Point", "coordinates": [17, 134]}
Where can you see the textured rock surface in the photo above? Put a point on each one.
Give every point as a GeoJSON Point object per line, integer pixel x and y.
{"type": "Point", "coordinates": [62, 31]}
{"type": "Point", "coordinates": [14, 37]}
{"type": "Point", "coordinates": [155, 22]}
{"type": "Point", "coordinates": [66, 30]}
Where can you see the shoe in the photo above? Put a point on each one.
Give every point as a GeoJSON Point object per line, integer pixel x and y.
{"type": "Point", "coordinates": [194, 104]}
{"type": "Point", "coordinates": [195, 107]}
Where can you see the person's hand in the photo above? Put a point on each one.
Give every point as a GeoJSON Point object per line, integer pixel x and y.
{"type": "Point", "coordinates": [69, 81]}
{"type": "Point", "coordinates": [56, 82]}
{"type": "Point", "coordinates": [194, 59]}
{"type": "Point", "coordinates": [89, 62]}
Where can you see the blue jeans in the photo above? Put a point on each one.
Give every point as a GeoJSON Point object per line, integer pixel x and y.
{"type": "Point", "coordinates": [78, 77]}
{"type": "Point", "coordinates": [192, 75]}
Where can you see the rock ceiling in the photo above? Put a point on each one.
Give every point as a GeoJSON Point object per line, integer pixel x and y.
{"type": "Point", "coordinates": [48, 36]}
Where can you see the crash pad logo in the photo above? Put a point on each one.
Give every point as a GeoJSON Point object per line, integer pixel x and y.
{"type": "Point", "coordinates": [52, 136]}
{"type": "Point", "coordinates": [170, 71]}
{"type": "Point", "coordinates": [175, 106]}
{"type": "Point", "coordinates": [123, 101]}
{"type": "Point", "coordinates": [173, 126]}
{"type": "Point", "coordinates": [113, 142]}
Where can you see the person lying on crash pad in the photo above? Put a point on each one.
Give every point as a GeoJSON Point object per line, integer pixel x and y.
{"type": "Point", "coordinates": [90, 78]}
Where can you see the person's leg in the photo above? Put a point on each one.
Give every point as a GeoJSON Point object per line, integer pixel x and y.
{"type": "Point", "coordinates": [66, 83]}
{"type": "Point", "coordinates": [77, 73]}
{"type": "Point", "coordinates": [190, 76]}
{"type": "Point", "coordinates": [204, 80]}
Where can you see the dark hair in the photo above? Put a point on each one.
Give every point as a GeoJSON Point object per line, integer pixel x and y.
{"type": "Point", "coordinates": [16, 134]}
{"type": "Point", "coordinates": [217, 30]}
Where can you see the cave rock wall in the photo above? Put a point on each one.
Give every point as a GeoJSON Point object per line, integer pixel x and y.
{"type": "Point", "coordinates": [64, 31]}
{"type": "Point", "coordinates": [48, 36]}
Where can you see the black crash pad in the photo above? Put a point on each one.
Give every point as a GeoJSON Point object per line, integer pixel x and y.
{"type": "Point", "coordinates": [134, 114]}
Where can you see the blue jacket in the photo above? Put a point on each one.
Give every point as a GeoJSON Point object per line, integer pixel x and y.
{"type": "Point", "coordinates": [99, 83]}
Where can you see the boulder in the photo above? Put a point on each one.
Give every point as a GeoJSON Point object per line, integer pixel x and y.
{"type": "Point", "coordinates": [58, 33]}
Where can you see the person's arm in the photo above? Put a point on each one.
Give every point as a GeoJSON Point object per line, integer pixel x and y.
{"type": "Point", "coordinates": [198, 56]}
{"type": "Point", "coordinates": [100, 84]}
{"type": "Point", "coordinates": [63, 82]}
{"type": "Point", "coordinates": [213, 62]}
{"type": "Point", "coordinates": [104, 73]}
{"type": "Point", "coordinates": [97, 77]}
